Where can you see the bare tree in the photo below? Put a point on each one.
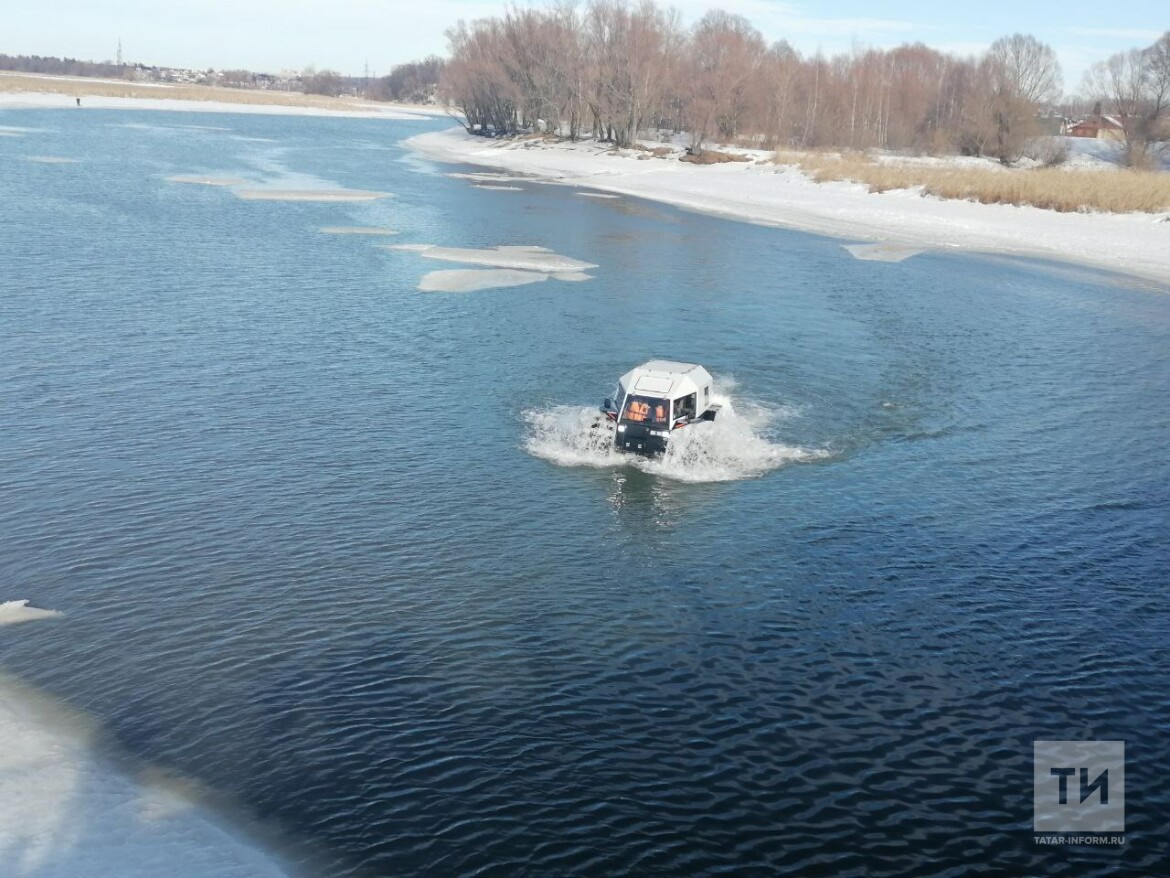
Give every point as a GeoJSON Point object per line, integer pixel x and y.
{"type": "Point", "coordinates": [630, 52]}
{"type": "Point", "coordinates": [322, 82]}
{"type": "Point", "coordinates": [1022, 74]}
{"type": "Point", "coordinates": [1135, 85]}
{"type": "Point", "coordinates": [476, 81]}
{"type": "Point", "coordinates": [726, 55]}
{"type": "Point", "coordinates": [415, 81]}
{"type": "Point", "coordinates": [778, 74]}
{"type": "Point", "coordinates": [1157, 59]}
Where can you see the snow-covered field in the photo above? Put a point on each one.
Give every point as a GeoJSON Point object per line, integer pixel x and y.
{"type": "Point", "coordinates": [762, 192]}
{"type": "Point", "coordinates": [38, 100]}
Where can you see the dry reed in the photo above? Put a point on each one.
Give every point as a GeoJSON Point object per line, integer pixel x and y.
{"type": "Point", "coordinates": [1064, 190]}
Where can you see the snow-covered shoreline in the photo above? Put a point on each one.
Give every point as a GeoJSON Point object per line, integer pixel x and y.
{"type": "Point", "coordinates": [761, 192]}
{"type": "Point", "coordinates": [50, 100]}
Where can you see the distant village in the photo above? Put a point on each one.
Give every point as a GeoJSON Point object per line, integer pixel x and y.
{"type": "Point", "coordinates": [415, 82]}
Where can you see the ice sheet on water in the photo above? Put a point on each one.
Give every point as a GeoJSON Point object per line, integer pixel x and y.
{"type": "Point", "coordinates": [50, 160]}
{"type": "Point", "coordinates": [470, 280]}
{"type": "Point", "coordinates": [496, 188]}
{"type": "Point", "coordinates": [597, 195]}
{"type": "Point", "coordinates": [734, 446]}
{"type": "Point", "coordinates": [358, 230]}
{"type": "Point", "coordinates": [15, 612]}
{"type": "Point", "coordinates": [522, 258]}
{"type": "Point", "coordinates": [309, 195]}
{"type": "Point", "coordinates": [882, 252]}
{"type": "Point", "coordinates": [200, 180]}
{"type": "Point", "coordinates": [66, 813]}
{"type": "Point", "coordinates": [487, 177]}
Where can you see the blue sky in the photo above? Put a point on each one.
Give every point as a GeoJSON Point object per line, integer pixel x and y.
{"type": "Point", "coordinates": [275, 35]}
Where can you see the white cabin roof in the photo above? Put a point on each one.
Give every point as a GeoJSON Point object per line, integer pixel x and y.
{"type": "Point", "coordinates": [666, 378]}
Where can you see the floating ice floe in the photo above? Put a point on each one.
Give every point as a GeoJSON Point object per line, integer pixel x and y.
{"type": "Point", "coordinates": [499, 188]}
{"type": "Point", "coordinates": [513, 266]}
{"type": "Point", "coordinates": [488, 177]}
{"type": "Point", "coordinates": [330, 195]}
{"type": "Point", "coordinates": [207, 181]}
{"type": "Point", "coordinates": [882, 252]}
{"type": "Point", "coordinates": [15, 612]}
{"type": "Point", "coordinates": [597, 195]}
{"type": "Point", "coordinates": [525, 258]}
{"type": "Point", "coordinates": [50, 160]}
{"type": "Point", "coordinates": [470, 280]}
{"type": "Point", "coordinates": [374, 231]}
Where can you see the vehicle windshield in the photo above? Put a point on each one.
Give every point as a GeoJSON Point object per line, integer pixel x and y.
{"type": "Point", "coordinates": [648, 410]}
{"type": "Point", "coordinates": [615, 401]}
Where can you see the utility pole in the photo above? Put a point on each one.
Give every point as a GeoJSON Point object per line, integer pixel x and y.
{"type": "Point", "coordinates": [119, 51]}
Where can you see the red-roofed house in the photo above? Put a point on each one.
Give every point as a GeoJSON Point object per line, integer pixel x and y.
{"type": "Point", "coordinates": [1101, 127]}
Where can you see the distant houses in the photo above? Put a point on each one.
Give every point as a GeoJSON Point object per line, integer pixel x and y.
{"type": "Point", "coordinates": [1100, 127]}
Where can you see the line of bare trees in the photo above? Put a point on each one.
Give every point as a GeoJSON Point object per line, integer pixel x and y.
{"type": "Point", "coordinates": [613, 68]}
{"type": "Point", "coordinates": [414, 82]}
{"type": "Point", "coordinates": [62, 66]}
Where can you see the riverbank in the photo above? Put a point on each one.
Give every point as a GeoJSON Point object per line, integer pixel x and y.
{"type": "Point", "coordinates": [760, 191]}
{"type": "Point", "coordinates": [28, 91]}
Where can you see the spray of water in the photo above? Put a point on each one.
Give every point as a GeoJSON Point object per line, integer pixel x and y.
{"type": "Point", "coordinates": [736, 445]}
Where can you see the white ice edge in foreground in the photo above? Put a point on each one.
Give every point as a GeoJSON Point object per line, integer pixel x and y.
{"type": "Point", "coordinates": [1135, 244]}
{"type": "Point", "coordinates": [65, 812]}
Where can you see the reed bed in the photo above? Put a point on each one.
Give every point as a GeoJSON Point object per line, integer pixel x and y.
{"type": "Point", "coordinates": [1061, 189]}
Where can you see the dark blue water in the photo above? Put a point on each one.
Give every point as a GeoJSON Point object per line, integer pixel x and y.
{"type": "Point", "coordinates": [290, 510]}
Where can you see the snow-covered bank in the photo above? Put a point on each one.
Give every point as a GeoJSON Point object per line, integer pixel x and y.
{"type": "Point", "coordinates": [761, 192]}
{"type": "Point", "coordinates": [46, 100]}
{"type": "Point", "coordinates": [66, 813]}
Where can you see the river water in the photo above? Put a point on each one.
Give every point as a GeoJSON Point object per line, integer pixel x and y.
{"type": "Point", "coordinates": [347, 552]}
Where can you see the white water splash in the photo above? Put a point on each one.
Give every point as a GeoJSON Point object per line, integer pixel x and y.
{"type": "Point", "coordinates": [732, 447]}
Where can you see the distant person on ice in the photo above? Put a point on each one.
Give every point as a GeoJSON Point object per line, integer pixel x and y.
{"type": "Point", "coordinates": [79, 102]}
